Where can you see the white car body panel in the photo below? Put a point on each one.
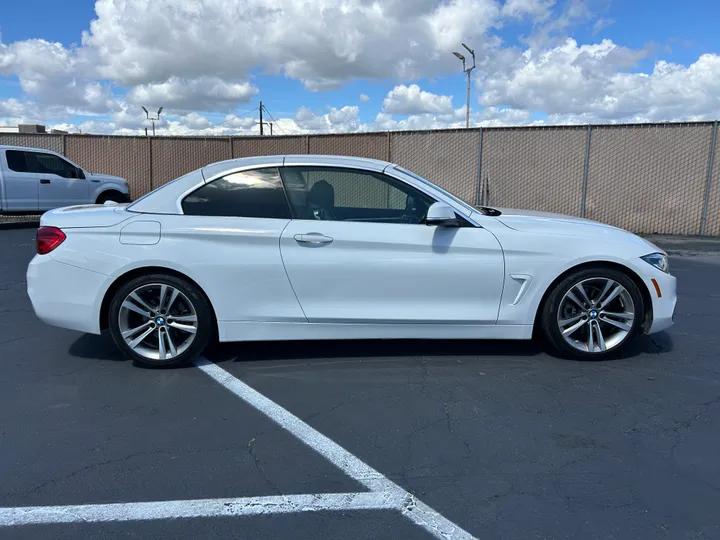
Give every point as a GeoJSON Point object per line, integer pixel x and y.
{"type": "Point", "coordinates": [60, 192]}
{"type": "Point", "coordinates": [33, 192]}
{"type": "Point", "coordinates": [18, 190]}
{"type": "Point", "coordinates": [374, 280]}
{"type": "Point", "coordinates": [394, 273]}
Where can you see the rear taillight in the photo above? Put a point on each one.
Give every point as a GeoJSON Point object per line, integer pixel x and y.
{"type": "Point", "coordinates": [48, 238]}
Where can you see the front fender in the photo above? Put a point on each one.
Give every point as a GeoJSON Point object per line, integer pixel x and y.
{"type": "Point", "coordinates": [109, 186]}
{"type": "Point", "coordinates": [534, 261]}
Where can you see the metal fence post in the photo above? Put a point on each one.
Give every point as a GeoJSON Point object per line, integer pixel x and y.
{"type": "Point", "coordinates": [703, 221]}
{"type": "Point", "coordinates": [585, 172]}
{"type": "Point", "coordinates": [64, 148]}
{"type": "Point", "coordinates": [152, 182]}
{"type": "Point", "coordinates": [307, 144]}
{"type": "Point", "coordinates": [480, 196]}
{"type": "Point", "coordinates": [389, 151]}
{"type": "Point", "coordinates": [230, 144]}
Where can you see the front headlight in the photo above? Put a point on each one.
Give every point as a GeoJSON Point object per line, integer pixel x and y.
{"type": "Point", "coordinates": [658, 260]}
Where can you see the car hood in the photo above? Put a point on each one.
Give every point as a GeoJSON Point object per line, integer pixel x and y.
{"type": "Point", "coordinates": [106, 178]}
{"type": "Point", "coordinates": [558, 224]}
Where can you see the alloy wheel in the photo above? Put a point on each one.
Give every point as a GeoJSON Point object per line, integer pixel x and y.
{"type": "Point", "coordinates": [158, 321]}
{"type": "Point", "coordinates": [596, 315]}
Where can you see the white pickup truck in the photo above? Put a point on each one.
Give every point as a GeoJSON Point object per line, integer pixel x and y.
{"type": "Point", "coordinates": [36, 180]}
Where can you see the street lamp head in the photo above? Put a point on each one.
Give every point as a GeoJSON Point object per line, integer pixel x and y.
{"type": "Point", "coordinates": [460, 56]}
{"type": "Point", "coordinates": [159, 111]}
{"type": "Point", "coordinates": [146, 111]}
{"type": "Point", "coordinates": [469, 49]}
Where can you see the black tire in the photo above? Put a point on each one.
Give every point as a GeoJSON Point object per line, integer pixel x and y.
{"type": "Point", "coordinates": [200, 304]}
{"type": "Point", "coordinates": [548, 321]}
{"type": "Point", "coordinates": [114, 196]}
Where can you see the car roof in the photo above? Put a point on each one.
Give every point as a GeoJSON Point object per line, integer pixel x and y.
{"type": "Point", "coordinates": [26, 148]}
{"type": "Point", "coordinates": [165, 199]}
{"type": "Point", "coordinates": [213, 170]}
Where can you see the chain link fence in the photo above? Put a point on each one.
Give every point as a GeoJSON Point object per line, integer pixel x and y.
{"type": "Point", "coordinates": [651, 178]}
{"type": "Point", "coordinates": [539, 169]}
{"type": "Point", "coordinates": [127, 157]}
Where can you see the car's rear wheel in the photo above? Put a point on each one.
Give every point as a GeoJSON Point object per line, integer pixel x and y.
{"type": "Point", "coordinates": [160, 320]}
{"type": "Point", "coordinates": [592, 313]}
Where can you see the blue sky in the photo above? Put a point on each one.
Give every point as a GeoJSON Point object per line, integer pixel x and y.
{"type": "Point", "coordinates": [292, 78]}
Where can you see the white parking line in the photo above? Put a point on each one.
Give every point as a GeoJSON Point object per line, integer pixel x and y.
{"type": "Point", "coordinates": [202, 508]}
{"type": "Point", "coordinates": [415, 510]}
{"type": "Point", "coordinates": [383, 493]}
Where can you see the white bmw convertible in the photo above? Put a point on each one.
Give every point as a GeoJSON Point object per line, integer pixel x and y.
{"type": "Point", "coordinates": [325, 247]}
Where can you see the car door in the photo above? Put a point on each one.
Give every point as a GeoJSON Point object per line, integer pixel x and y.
{"type": "Point", "coordinates": [20, 185]}
{"type": "Point", "coordinates": [60, 182]}
{"type": "Point", "coordinates": [358, 250]}
{"type": "Point", "coordinates": [229, 236]}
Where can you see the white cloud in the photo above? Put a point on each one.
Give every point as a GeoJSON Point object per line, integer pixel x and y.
{"type": "Point", "coordinates": [198, 94]}
{"type": "Point", "coordinates": [134, 118]}
{"type": "Point", "coordinates": [344, 119]}
{"type": "Point", "coordinates": [536, 9]}
{"type": "Point", "coordinates": [243, 122]}
{"type": "Point", "coordinates": [496, 117]}
{"type": "Point", "coordinates": [13, 108]}
{"type": "Point", "coordinates": [590, 81]}
{"type": "Point", "coordinates": [200, 57]}
{"type": "Point", "coordinates": [411, 100]}
{"type": "Point", "coordinates": [54, 75]}
{"type": "Point", "coordinates": [137, 42]}
{"type": "Point", "coordinates": [195, 121]}
{"type": "Point", "coordinates": [488, 117]}
{"type": "Point", "coordinates": [601, 24]}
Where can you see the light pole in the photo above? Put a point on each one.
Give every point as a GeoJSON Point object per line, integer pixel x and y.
{"type": "Point", "coordinates": [153, 120]}
{"type": "Point", "coordinates": [468, 71]}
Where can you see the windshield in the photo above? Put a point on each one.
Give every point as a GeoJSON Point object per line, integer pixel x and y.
{"type": "Point", "coordinates": [435, 186]}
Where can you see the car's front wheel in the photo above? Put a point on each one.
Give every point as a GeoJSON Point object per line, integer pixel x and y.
{"type": "Point", "coordinates": [592, 313]}
{"type": "Point", "coordinates": [160, 320]}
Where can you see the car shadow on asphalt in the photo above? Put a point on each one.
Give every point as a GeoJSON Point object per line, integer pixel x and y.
{"type": "Point", "coordinates": [307, 350]}
{"type": "Point", "coordinates": [102, 348]}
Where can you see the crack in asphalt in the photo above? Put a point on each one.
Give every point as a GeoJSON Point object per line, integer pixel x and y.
{"type": "Point", "coordinates": [259, 466]}
{"type": "Point", "coordinates": [39, 487]}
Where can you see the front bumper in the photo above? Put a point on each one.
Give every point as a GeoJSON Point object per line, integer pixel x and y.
{"type": "Point", "coordinates": [64, 295]}
{"type": "Point", "coordinates": [663, 305]}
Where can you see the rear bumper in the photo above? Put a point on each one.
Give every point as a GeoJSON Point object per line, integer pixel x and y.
{"type": "Point", "coordinates": [64, 295]}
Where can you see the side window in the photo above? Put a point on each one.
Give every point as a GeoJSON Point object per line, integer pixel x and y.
{"type": "Point", "coordinates": [16, 161]}
{"type": "Point", "coordinates": [252, 194]}
{"type": "Point", "coordinates": [50, 164]}
{"type": "Point", "coordinates": [336, 194]}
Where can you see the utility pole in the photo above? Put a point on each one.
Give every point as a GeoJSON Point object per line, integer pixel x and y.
{"type": "Point", "coordinates": [468, 71]}
{"type": "Point", "coordinates": [261, 121]}
{"type": "Point", "coordinates": [152, 119]}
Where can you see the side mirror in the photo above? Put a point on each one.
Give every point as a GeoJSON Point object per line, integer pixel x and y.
{"type": "Point", "coordinates": [442, 215]}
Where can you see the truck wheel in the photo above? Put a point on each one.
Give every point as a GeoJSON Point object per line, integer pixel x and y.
{"type": "Point", "coordinates": [114, 196]}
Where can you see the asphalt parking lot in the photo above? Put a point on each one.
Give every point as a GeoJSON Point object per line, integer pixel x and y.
{"type": "Point", "coordinates": [501, 439]}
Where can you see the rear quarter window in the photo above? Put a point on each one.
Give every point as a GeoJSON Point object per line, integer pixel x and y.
{"type": "Point", "coordinates": [252, 194]}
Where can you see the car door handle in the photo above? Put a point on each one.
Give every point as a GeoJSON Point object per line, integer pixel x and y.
{"type": "Point", "coordinates": [312, 238]}
{"type": "Point", "coordinates": [44, 181]}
